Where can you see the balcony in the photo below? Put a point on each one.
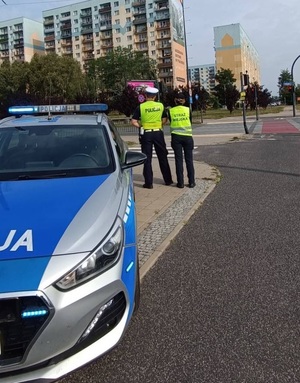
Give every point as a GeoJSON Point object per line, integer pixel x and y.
{"type": "Point", "coordinates": [65, 26]}
{"type": "Point", "coordinates": [89, 56]}
{"type": "Point", "coordinates": [105, 25]}
{"type": "Point", "coordinates": [66, 34]}
{"type": "Point", "coordinates": [88, 48]}
{"type": "Point", "coordinates": [165, 65]}
{"type": "Point", "coordinates": [164, 46]}
{"type": "Point", "coordinates": [86, 30]}
{"type": "Point", "coordinates": [19, 44]}
{"type": "Point", "coordinates": [106, 46]}
{"type": "Point", "coordinates": [105, 37]}
{"type": "Point", "coordinates": [163, 26]}
{"type": "Point", "coordinates": [164, 75]}
{"type": "Point", "coordinates": [139, 20]}
{"type": "Point", "coordinates": [105, 9]}
{"type": "Point", "coordinates": [162, 16]}
{"type": "Point", "coordinates": [139, 12]}
{"type": "Point", "coordinates": [67, 52]}
{"type": "Point", "coordinates": [49, 29]}
{"type": "Point", "coordinates": [86, 13]}
{"type": "Point", "coordinates": [49, 38]}
{"type": "Point", "coordinates": [163, 37]}
{"type": "Point", "coordinates": [66, 42]}
{"type": "Point", "coordinates": [49, 21]}
{"type": "Point", "coordinates": [138, 3]}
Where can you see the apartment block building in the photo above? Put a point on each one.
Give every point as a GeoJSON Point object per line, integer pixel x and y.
{"type": "Point", "coordinates": [203, 76]}
{"type": "Point", "coordinates": [20, 39]}
{"type": "Point", "coordinates": [90, 29]}
{"type": "Point", "coordinates": [234, 51]}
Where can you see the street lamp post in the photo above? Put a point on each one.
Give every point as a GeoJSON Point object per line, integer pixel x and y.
{"type": "Point", "coordinates": [186, 60]}
{"type": "Point", "coordinates": [293, 87]}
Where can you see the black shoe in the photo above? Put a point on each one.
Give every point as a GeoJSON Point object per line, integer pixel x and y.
{"type": "Point", "coordinates": [192, 185]}
{"type": "Point", "coordinates": [148, 186]}
{"type": "Point", "coordinates": [180, 186]}
{"type": "Point", "coordinates": [169, 183]}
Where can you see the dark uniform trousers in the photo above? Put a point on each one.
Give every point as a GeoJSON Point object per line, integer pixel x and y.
{"type": "Point", "coordinates": [185, 143]}
{"type": "Point", "coordinates": [156, 138]}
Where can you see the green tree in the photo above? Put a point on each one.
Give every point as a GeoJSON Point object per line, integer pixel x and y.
{"type": "Point", "coordinates": [113, 71]}
{"type": "Point", "coordinates": [226, 90]}
{"type": "Point", "coordinates": [284, 92]}
{"type": "Point", "coordinates": [56, 79]}
{"type": "Point", "coordinates": [13, 85]}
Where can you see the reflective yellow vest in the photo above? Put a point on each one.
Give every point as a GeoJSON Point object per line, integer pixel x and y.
{"type": "Point", "coordinates": [151, 114]}
{"type": "Point", "coordinates": [180, 121]}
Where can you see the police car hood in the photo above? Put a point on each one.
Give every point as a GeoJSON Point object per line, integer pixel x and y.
{"type": "Point", "coordinates": [40, 218]}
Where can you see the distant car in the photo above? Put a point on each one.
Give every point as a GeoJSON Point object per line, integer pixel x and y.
{"type": "Point", "coordinates": [69, 275]}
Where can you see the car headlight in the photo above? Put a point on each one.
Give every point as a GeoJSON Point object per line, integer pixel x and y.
{"type": "Point", "coordinates": [101, 259]}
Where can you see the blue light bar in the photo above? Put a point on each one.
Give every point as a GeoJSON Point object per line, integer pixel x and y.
{"type": "Point", "coordinates": [34, 313]}
{"type": "Point", "coordinates": [64, 108]}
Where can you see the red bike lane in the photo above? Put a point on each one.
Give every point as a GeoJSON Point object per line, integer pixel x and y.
{"type": "Point", "coordinates": [278, 126]}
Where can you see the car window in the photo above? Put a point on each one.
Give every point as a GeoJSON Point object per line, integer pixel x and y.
{"type": "Point", "coordinates": [72, 150]}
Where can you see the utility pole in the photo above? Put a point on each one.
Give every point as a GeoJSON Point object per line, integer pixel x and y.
{"type": "Point", "coordinates": [189, 88]}
{"type": "Point", "coordinates": [243, 104]}
{"type": "Point", "coordinates": [293, 87]}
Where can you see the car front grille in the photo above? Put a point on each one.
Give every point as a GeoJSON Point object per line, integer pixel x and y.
{"type": "Point", "coordinates": [20, 321]}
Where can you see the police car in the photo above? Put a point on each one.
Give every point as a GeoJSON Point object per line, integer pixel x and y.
{"type": "Point", "coordinates": [69, 276]}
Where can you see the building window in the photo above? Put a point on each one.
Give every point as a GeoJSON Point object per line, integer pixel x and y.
{"type": "Point", "coordinates": [75, 13]}
{"type": "Point", "coordinates": [118, 21]}
{"type": "Point", "coordinates": [77, 46]}
{"type": "Point", "coordinates": [128, 10]}
{"type": "Point", "coordinates": [118, 30]}
{"type": "Point", "coordinates": [128, 19]}
{"type": "Point", "coordinates": [116, 4]}
{"type": "Point", "coordinates": [96, 8]}
{"type": "Point", "coordinates": [128, 29]}
{"type": "Point", "coordinates": [129, 38]}
{"type": "Point", "coordinates": [150, 6]}
{"type": "Point", "coordinates": [151, 24]}
{"type": "Point", "coordinates": [118, 39]}
{"type": "Point", "coordinates": [117, 12]}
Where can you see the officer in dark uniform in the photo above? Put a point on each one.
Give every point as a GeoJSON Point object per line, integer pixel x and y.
{"type": "Point", "coordinates": [181, 140]}
{"type": "Point", "coordinates": [149, 117]}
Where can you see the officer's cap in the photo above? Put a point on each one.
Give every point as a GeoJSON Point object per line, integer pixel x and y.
{"type": "Point", "coordinates": [151, 91]}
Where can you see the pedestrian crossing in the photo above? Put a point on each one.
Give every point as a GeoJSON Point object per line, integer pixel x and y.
{"type": "Point", "coordinates": [169, 148]}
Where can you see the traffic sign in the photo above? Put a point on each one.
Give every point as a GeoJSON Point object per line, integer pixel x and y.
{"type": "Point", "coordinates": [141, 98]}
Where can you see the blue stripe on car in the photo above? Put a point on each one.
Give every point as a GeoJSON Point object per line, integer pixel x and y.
{"type": "Point", "coordinates": [44, 208]}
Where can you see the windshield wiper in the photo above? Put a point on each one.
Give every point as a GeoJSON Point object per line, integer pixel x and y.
{"type": "Point", "coordinates": [40, 176]}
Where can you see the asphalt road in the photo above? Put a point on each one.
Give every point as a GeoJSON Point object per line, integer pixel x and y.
{"type": "Point", "coordinates": [222, 303]}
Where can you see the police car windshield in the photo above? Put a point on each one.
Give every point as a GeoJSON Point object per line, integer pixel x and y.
{"type": "Point", "coordinates": [31, 152]}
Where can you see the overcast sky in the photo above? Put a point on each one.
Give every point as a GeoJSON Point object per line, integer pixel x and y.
{"type": "Point", "coordinates": [271, 25]}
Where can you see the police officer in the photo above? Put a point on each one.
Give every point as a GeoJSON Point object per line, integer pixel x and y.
{"type": "Point", "coordinates": [149, 117]}
{"type": "Point", "coordinates": [181, 140]}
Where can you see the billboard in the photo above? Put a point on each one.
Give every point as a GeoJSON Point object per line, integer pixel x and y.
{"type": "Point", "coordinates": [140, 84]}
{"type": "Point", "coordinates": [178, 43]}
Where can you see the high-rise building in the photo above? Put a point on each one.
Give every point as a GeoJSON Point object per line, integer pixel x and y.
{"type": "Point", "coordinates": [234, 51]}
{"type": "Point", "coordinates": [203, 76]}
{"type": "Point", "coordinates": [20, 39]}
{"type": "Point", "coordinates": [91, 29]}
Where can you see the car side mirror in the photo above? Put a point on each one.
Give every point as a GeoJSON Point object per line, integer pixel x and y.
{"type": "Point", "coordinates": [133, 159]}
